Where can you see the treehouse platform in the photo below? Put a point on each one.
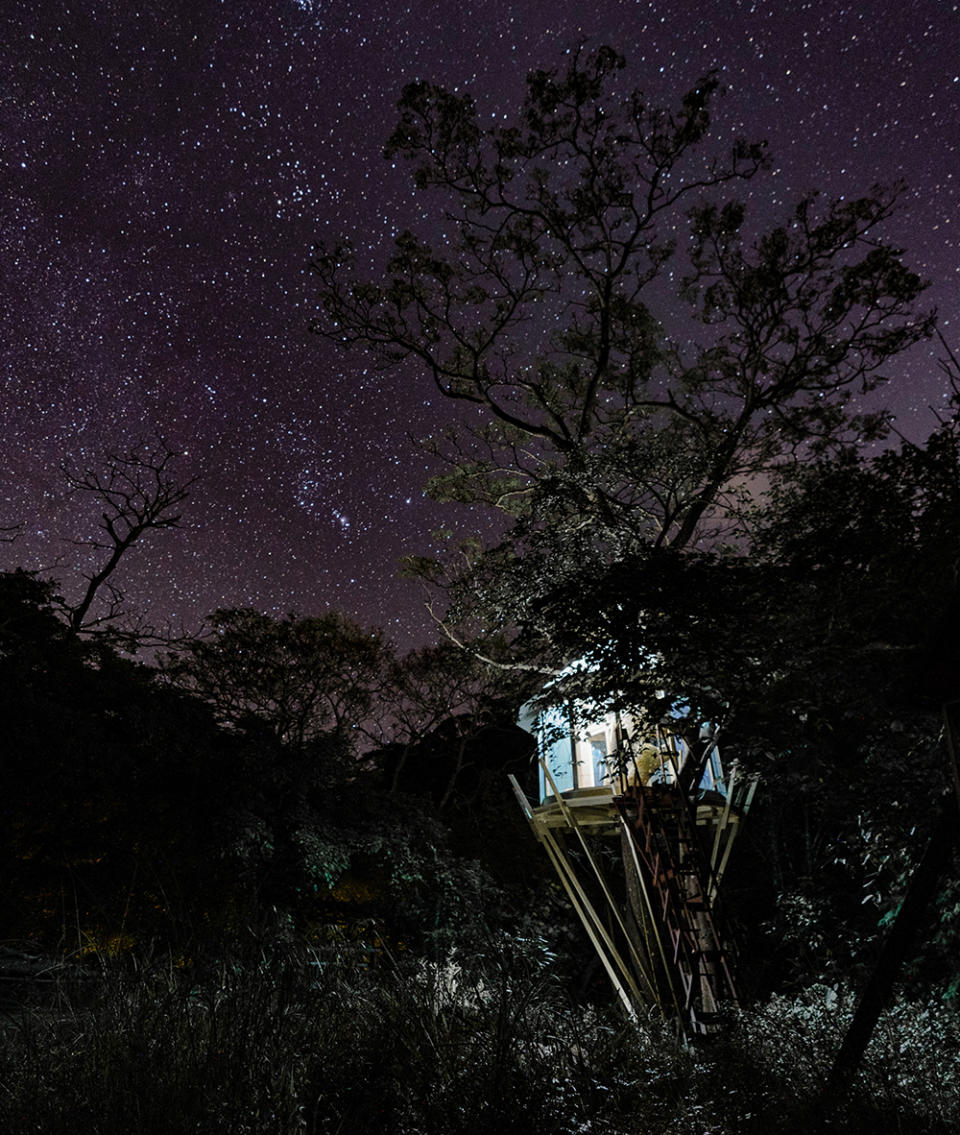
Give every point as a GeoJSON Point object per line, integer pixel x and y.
{"type": "Point", "coordinates": [654, 914]}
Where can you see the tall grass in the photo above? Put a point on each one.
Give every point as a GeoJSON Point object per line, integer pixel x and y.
{"type": "Point", "coordinates": [295, 1041]}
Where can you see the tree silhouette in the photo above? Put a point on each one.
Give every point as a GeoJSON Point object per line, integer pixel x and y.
{"type": "Point", "coordinates": [301, 677]}
{"type": "Point", "coordinates": [138, 493]}
{"type": "Point", "coordinates": [638, 350]}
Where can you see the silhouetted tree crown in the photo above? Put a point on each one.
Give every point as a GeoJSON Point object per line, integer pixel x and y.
{"type": "Point", "coordinates": [587, 277]}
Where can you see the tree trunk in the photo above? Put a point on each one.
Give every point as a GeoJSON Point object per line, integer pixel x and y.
{"type": "Point", "coordinates": [922, 888]}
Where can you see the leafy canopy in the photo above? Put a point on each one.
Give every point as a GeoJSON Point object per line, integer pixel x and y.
{"type": "Point", "coordinates": [302, 676]}
{"type": "Point", "coordinates": [585, 276]}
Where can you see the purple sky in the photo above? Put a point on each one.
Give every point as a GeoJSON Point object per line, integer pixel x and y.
{"type": "Point", "coordinates": [166, 167]}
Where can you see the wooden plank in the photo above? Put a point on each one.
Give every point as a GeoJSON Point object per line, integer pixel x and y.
{"type": "Point", "coordinates": [581, 904]}
{"type": "Point", "coordinates": [724, 818]}
{"type": "Point", "coordinates": [521, 797]}
{"type": "Point", "coordinates": [653, 918]}
{"type": "Point", "coordinates": [611, 901]}
{"type": "Point", "coordinates": [589, 918]}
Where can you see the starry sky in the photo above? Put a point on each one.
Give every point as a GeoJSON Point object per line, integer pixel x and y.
{"type": "Point", "coordinates": [166, 166]}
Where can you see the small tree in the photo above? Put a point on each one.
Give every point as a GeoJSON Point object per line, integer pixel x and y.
{"type": "Point", "coordinates": [138, 493]}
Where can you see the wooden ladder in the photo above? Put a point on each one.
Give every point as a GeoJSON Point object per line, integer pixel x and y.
{"type": "Point", "coordinates": [659, 820]}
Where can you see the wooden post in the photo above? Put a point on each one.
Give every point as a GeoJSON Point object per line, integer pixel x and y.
{"type": "Point", "coordinates": [571, 822]}
{"type": "Point", "coordinates": [585, 910]}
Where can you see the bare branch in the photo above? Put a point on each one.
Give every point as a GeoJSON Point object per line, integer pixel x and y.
{"type": "Point", "coordinates": [526, 667]}
{"type": "Point", "coordinates": [138, 493]}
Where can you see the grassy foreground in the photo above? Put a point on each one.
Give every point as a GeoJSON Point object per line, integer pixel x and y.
{"type": "Point", "coordinates": [297, 1041]}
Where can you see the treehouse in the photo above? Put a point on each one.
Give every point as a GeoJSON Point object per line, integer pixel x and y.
{"type": "Point", "coordinates": [659, 795]}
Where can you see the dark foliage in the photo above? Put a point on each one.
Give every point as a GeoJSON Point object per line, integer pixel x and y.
{"type": "Point", "coordinates": [110, 783]}
{"type": "Point", "coordinates": [296, 1040]}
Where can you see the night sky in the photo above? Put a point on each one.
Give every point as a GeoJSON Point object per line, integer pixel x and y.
{"type": "Point", "coordinates": [167, 166]}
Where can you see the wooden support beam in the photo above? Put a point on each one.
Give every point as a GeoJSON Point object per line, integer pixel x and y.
{"type": "Point", "coordinates": [654, 921]}
{"type": "Point", "coordinates": [570, 817]}
{"type": "Point", "coordinates": [600, 938]}
{"type": "Point", "coordinates": [592, 923]}
{"type": "Point", "coordinates": [724, 818]}
{"type": "Point", "coordinates": [521, 799]}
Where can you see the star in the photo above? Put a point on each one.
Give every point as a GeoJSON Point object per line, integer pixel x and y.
{"type": "Point", "coordinates": [167, 168]}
